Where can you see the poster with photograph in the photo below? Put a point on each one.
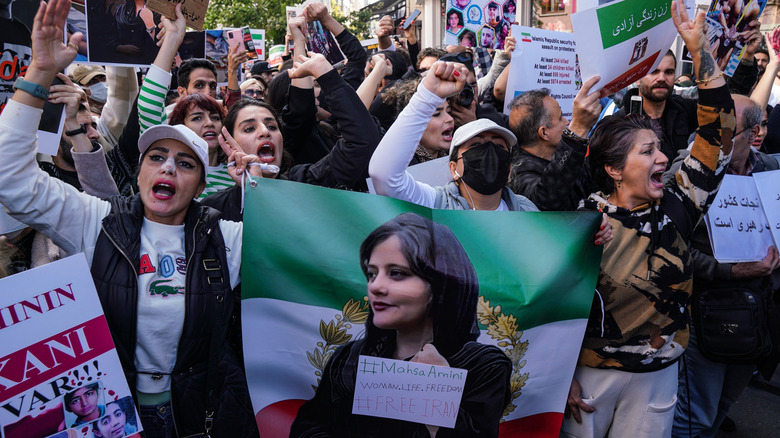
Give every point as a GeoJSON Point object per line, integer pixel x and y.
{"type": "Point", "coordinates": [544, 59]}
{"type": "Point", "coordinates": [119, 33]}
{"type": "Point", "coordinates": [320, 40]}
{"type": "Point", "coordinates": [727, 29]}
{"type": "Point", "coordinates": [60, 374]}
{"type": "Point", "coordinates": [479, 23]}
{"type": "Point", "coordinates": [623, 41]}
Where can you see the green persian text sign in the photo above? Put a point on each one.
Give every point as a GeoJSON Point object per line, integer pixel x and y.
{"type": "Point", "coordinates": [621, 21]}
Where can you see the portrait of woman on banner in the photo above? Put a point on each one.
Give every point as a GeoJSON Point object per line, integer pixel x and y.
{"type": "Point", "coordinates": [423, 302]}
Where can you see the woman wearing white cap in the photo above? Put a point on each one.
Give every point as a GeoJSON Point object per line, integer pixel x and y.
{"type": "Point", "coordinates": [479, 154]}
{"type": "Point", "coordinates": [167, 299]}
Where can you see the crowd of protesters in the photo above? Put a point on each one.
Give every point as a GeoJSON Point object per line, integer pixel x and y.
{"type": "Point", "coordinates": [145, 162]}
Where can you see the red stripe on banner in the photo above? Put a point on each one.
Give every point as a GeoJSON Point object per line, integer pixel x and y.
{"type": "Point", "coordinates": [543, 425]}
{"type": "Point", "coordinates": [274, 420]}
{"type": "Point", "coordinates": [38, 363]}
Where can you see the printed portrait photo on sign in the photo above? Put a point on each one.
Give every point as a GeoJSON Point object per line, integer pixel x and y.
{"type": "Point", "coordinates": [454, 21]}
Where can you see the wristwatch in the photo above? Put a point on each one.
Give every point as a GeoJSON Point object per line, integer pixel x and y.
{"type": "Point", "coordinates": [80, 130]}
{"type": "Point", "coordinates": [29, 87]}
{"type": "Point", "coordinates": [568, 134]}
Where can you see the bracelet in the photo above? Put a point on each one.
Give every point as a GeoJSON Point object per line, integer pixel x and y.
{"type": "Point", "coordinates": [36, 90]}
{"type": "Point", "coordinates": [707, 81]}
{"type": "Point", "coordinates": [569, 134]}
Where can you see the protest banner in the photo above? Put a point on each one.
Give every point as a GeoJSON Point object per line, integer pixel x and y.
{"type": "Point", "coordinates": [737, 224]}
{"type": "Point", "coordinates": [410, 391]}
{"type": "Point", "coordinates": [544, 59]}
{"type": "Point", "coordinates": [275, 54]}
{"type": "Point", "coordinates": [304, 294]}
{"type": "Point", "coordinates": [623, 41]}
{"type": "Point", "coordinates": [194, 11]}
{"type": "Point", "coordinates": [258, 41]}
{"type": "Point", "coordinates": [479, 23]}
{"type": "Point", "coordinates": [60, 373]}
{"type": "Point", "coordinates": [727, 29]}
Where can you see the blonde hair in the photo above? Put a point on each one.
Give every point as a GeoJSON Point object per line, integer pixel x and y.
{"type": "Point", "coordinates": [251, 81]}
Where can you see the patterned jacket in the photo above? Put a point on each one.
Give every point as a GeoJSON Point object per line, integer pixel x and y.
{"type": "Point", "coordinates": [639, 320]}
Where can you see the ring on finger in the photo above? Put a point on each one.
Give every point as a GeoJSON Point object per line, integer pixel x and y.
{"type": "Point", "coordinates": [75, 47]}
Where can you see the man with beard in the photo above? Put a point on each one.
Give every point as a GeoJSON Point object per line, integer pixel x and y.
{"type": "Point", "coordinates": [675, 115]}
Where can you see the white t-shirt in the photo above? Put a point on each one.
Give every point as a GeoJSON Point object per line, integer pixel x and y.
{"type": "Point", "coordinates": [161, 285]}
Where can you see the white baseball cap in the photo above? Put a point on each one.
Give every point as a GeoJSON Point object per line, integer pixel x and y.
{"type": "Point", "coordinates": [469, 130]}
{"type": "Point", "coordinates": [176, 132]}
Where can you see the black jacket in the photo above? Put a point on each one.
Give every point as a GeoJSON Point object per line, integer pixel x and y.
{"type": "Point", "coordinates": [329, 413]}
{"type": "Point", "coordinates": [210, 311]}
{"type": "Point", "coordinates": [556, 185]}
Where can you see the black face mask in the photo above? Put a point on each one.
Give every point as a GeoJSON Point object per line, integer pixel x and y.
{"type": "Point", "coordinates": [486, 167]}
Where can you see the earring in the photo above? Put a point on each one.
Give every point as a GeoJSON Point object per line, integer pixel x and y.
{"type": "Point", "coordinates": [618, 182]}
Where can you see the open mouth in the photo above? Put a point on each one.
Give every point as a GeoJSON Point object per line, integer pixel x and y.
{"type": "Point", "coordinates": [266, 152]}
{"type": "Point", "coordinates": [163, 190]}
{"type": "Point", "coordinates": [657, 179]}
{"type": "Point", "coordinates": [447, 135]}
{"type": "Point", "coordinates": [209, 135]}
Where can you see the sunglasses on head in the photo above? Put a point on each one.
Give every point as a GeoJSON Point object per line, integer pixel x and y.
{"type": "Point", "coordinates": [462, 57]}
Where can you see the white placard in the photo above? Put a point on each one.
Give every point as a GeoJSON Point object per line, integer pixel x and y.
{"type": "Point", "coordinates": [55, 344]}
{"type": "Point", "coordinates": [738, 228]}
{"type": "Point", "coordinates": [409, 391]}
{"type": "Point", "coordinates": [543, 59]}
{"type": "Point", "coordinates": [768, 185]}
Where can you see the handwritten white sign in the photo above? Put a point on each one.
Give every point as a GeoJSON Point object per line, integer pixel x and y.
{"type": "Point", "coordinates": [544, 59]}
{"type": "Point", "coordinates": [738, 228]}
{"type": "Point", "coordinates": [409, 391]}
{"type": "Point", "coordinates": [768, 185]}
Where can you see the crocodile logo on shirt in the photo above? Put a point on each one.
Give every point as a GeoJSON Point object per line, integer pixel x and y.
{"type": "Point", "coordinates": [160, 287]}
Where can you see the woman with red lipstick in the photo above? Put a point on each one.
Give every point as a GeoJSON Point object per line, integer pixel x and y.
{"type": "Point", "coordinates": [626, 378]}
{"type": "Point", "coordinates": [423, 309]}
{"type": "Point", "coordinates": [164, 266]}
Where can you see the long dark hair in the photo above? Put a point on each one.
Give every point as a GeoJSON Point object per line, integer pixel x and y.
{"type": "Point", "coordinates": [435, 255]}
{"type": "Point", "coordinates": [610, 143]}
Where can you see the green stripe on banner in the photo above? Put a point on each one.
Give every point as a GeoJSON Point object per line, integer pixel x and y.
{"type": "Point", "coordinates": [626, 19]}
{"type": "Point", "coordinates": [301, 244]}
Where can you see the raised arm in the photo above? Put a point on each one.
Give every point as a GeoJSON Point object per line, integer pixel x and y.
{"type": "Point", "coordinates": [392, 156]}
{"type": "Point", "coordinates": [702, 171]}
{"type": "Point", "coordinates": [151, 100]}
{"type": "Point", "coordinates": [70, 218]}
{"type": "Point", "coordinates": [763, 90]}
{"type": "Point", "coordinates": [346, 165]}
{"type": "Point", "coordinates": [380, 67]}
{"type": "Point", "coordinates": [122, 90]}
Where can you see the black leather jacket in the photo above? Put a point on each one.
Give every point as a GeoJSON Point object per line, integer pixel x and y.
{"type": "Point", "coordinates": [210, 311]}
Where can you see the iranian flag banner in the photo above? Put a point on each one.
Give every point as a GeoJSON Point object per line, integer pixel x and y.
{"type": "Point", "coordinates": [304, 294]}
